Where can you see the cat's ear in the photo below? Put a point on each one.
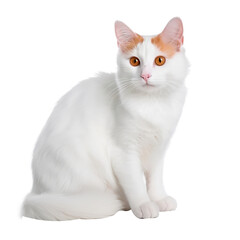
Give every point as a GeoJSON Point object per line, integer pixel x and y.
{"type": "Point", "coordinates": [126, 38]}
{"type": "Point", "coordinates": [173, 33]}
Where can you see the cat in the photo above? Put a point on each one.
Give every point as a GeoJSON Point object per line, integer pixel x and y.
{"type": "Point", "coordinates": [103, 146]}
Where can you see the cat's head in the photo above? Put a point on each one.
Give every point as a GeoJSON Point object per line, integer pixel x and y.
{"type": "Point", "coordinates": [151, 63]}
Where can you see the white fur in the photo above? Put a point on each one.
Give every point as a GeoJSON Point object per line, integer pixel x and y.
{"type": "Point", "coordinates": [104, 136]}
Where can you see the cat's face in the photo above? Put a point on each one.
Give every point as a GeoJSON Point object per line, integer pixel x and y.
{"type": "Point", "coordinates": [151, 63]}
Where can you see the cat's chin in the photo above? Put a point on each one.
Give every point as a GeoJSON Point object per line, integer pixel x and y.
{"type": "Point", "coordinates": [149, 87]}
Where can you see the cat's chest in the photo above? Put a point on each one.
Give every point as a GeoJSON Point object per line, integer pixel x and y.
{"type": "Point", "coordinates": [161, 114]}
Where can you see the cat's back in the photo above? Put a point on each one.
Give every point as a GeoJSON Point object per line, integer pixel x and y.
{"type": "Point", "coordinates": [99, 87]}
{"type": "Point", "coordinates": [88, 103]}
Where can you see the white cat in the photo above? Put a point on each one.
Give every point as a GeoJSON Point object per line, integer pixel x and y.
{"type": "Point", "coordinates": [102, 148]}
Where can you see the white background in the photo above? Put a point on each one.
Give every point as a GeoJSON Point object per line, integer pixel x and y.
{"type": "Point", "coordinates": [47, 47]}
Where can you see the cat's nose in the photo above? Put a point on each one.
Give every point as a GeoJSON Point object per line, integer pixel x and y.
{"type": "Point", "coordinates": [146, 76]}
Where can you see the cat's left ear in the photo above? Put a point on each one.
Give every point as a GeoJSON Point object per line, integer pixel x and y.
{"type": "Point", "coordinates": [173, 33]}
{"type": "Point", "coordinates": [126, 38]}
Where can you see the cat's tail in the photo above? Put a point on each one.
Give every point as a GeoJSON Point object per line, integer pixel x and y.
{"type": "Point", "coordinates": [50, 206]}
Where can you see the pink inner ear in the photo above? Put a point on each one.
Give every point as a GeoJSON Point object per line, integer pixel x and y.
{"type": "Point", "coordinates": [173, 33]}
{"type": "Point", "coordinates": [123, 33]}
{"type": "Point", "coordinates": [126, 38]}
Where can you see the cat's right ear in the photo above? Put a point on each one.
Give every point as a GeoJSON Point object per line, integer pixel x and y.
{"type": "Point", "coordinates": [126, 38]}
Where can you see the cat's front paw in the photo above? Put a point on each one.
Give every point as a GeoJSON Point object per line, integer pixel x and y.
{"type": "Point", "coordinates": [167, 204]}
{"type": "Point", "coordinates": [146, 210]}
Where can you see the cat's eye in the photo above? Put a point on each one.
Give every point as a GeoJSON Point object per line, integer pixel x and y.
{"type": "Point", "coordinates": [160, 60]}
{"type": "Point", "coordinates": [134, 61]}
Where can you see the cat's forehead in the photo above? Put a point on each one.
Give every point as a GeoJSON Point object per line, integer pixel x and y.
{"type": "Point", "coordinates": [146, 48]}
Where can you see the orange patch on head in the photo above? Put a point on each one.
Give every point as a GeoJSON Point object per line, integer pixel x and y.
{"type": "Point", "coordinates": [167, 48]}
{"type": "Point", "coordinates": [171, 38]}
{"type": "Point", "coordinates": [128, 46]}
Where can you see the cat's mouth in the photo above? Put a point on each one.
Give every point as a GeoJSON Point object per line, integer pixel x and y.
{"type": "Point", "coordinates": [148, 85]}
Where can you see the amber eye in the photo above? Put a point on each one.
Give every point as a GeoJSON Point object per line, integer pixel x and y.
{"type": "Point", "coordinates": [160, 60]}
{"type": "Point", "coordinates": [134, 61]}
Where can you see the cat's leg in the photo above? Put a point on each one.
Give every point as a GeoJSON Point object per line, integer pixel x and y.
{"type": "Point", "coordinates": [155, 187]}
{"type": "Point", "coordinates": [127, 168]}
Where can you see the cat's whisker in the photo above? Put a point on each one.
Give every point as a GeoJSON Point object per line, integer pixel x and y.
{"type": "Point", "coordinates": [121, 88]}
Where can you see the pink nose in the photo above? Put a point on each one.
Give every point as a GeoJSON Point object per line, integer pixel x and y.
{"type": "Point", "coordinates": [146, 76]}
